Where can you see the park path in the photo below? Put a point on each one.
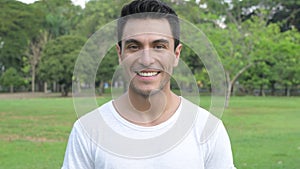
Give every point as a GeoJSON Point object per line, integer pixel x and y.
{"type": "Point", "coordinates": [24, 95]}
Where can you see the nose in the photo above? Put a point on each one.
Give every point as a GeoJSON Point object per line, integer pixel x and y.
{"type": "Point", "coordinates": [146, 58]}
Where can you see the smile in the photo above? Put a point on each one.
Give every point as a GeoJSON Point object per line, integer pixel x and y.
{"type": "Point", "coordinates": [147, 74]}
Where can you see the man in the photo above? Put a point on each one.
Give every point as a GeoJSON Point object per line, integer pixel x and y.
{"type": "Point", "coordinates": [143, 119]}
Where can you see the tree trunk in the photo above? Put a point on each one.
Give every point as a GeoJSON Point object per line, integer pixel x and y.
{"type": "Point", "coordinates": [54, 87]}
{"type": "Point", "coordinates": [261, 90]}
{"type": "Point", "coordinates": [229, 87]}
{"type": "Point", "coordinates": [77, 87]}
{"type": "Point", "coordinates": [287, 91]}
{"type": "Point", "coordinates": [11, 88]}
{"type": "Point", "coordinates": [45, 87]}
{"type": "Point", "coordinates": [101, 87]}
{"type": "Point", "coordinates": [231, 83]}
{"type": "Point", "coordinates": [34, 54]}
{"type": "Point", "coordinates": [272, 88]}
{"type": "Point", "coordinates": [63, 90]}
{"type": "Point", "coordinates": [66, 93]}
{"type": "Point", "coordinates": [33, 79]}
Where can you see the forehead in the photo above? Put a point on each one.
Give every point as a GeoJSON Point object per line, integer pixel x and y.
{"type": "Point", "coordinates": [138, 27]}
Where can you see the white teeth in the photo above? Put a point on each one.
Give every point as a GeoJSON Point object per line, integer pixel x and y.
{"type": "Point", "coordinates": [147, 74]}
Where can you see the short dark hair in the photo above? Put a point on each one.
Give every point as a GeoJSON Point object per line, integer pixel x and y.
{"type": "Point", "coordinates": [149, 9]}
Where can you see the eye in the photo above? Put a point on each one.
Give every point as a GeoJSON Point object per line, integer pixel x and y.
{"type": "Point", "coordinates": [160, 46]}
{"type": "Point", "coordinates": [133, 47]}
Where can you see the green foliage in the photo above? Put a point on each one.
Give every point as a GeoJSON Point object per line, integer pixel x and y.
{"type": "Point", "coordinates": [288, 58]}
{"type": "Point", "coordinates": [97, 14]}
{"type": "Point", "coordinates": [108, 66]}
{"type": "Point", "coordinates": [58, 60]}
{"type": "Point", "coordinates": [16, 30]}
{"type": "Point", "coordinates": [280, 53]}
{"type": "Point", "coordinates": [60, 17]}
{"type": "Point", "coordinates": [11, 78]}
{"type": "Point", "coordinates": [241, 31]}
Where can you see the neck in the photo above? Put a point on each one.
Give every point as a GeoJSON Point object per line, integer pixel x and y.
{"type": "Point", "coordinates": [147, 111]}
{"type": "Point", "coordinates": [152, 103]}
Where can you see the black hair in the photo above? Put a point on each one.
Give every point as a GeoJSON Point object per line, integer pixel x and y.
{"type": "Point", "coordinates": [149, 9]}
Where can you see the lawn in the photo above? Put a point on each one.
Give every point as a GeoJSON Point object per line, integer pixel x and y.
{"type": "Point", "coordinates": [265, 131]}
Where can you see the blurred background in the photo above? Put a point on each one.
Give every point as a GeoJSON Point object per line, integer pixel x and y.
{"type": "Point", "coordinates": [258, 43]}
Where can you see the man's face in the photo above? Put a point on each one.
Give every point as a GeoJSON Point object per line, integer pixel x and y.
{"type": "Point", "coordinates": [148, 55]}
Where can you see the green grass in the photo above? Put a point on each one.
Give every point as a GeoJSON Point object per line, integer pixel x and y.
{"type": "Point", "coordinates": [34, 132]}
{"type": "Point", "coordinates": [264, 131]}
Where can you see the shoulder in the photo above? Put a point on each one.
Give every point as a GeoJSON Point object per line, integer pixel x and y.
{"type": "Point", "coordinates": [96, 113]}
{"type": "Point", "coordinates": [187, 105]}
{"type": "Point", "coordinates": [201, 115]}
{"type": "Point", "coordinates": [206, 125]}
{"type": "Point", "coordinates": [93, 121]}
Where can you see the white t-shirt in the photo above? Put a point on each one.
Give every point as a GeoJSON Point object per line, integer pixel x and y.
{"type": "Point", "coordinates": [198, 149]}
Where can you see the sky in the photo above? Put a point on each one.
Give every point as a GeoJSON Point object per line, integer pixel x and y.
{"type": "Point", "coordinates": [75, 2]}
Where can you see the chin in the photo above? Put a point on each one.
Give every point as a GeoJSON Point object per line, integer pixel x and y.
{"type": "Point", "coordinates": [145, 92]}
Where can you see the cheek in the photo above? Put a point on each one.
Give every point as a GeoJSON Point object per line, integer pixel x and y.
{"type": "Point", "coordinates": [128, 62]}
{"type": "Point", "coordinates": [168, 61]}
{"type": "Point", "coordinates": [126, 59]}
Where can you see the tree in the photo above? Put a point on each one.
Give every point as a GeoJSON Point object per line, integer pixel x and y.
{"type": "Point", "coordinates": [16, 30]}
{"type": "Point", "coordinates": [59, 18]}
{"type": "Point", "coordinates": [236, 47]}
{"type": "Point", "coordinates": [288, 60]}
{"type": "Point", "coordinates": [95, 16]}
{"type": "Point", "coordinates": [58, 60]}
{"type": "Point", "coordinates": [281, 64]}
{"type": "Point", "coordinates": [34, 54]}
{"type": "Point", "coordinates": [106, 69]}
{"type": "Point", "coordinates": [98, 13]}
{"type": "Point", "coordinates": [11, 78]}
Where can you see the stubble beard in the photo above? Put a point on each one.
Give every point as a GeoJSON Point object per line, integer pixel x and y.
{"type": "Point", "coordinates": [147, 93]}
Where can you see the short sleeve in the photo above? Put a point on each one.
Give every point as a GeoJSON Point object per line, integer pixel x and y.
{"type": "Point", "coordinates": [220, 153]}
{"type": "Point", "coordinates": [78, 151]}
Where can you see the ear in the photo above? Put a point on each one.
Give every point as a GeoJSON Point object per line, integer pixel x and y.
{"type": "Point", "coordinates": [119, 51]}
{"type": "Point", "coordinates": [177, 54]}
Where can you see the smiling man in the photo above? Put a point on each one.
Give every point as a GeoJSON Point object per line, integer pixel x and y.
{"type": "Point", "coordinates": [148, 113]}
{"type": "Point", "coordinates": [148, 53]}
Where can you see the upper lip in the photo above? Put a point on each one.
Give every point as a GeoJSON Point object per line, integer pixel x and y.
{"type": "Point", "coordinates": [146, 69]}
{"type": "Point", "coordinates": [147, 73]}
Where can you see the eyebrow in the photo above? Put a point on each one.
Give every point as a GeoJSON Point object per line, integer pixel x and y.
{"type": "Point", "coordinates": [132, 41]}
{"type": "Point", "coordinates": [138, 42]}
{"type": "Point", "coordinates": [161, 41]}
